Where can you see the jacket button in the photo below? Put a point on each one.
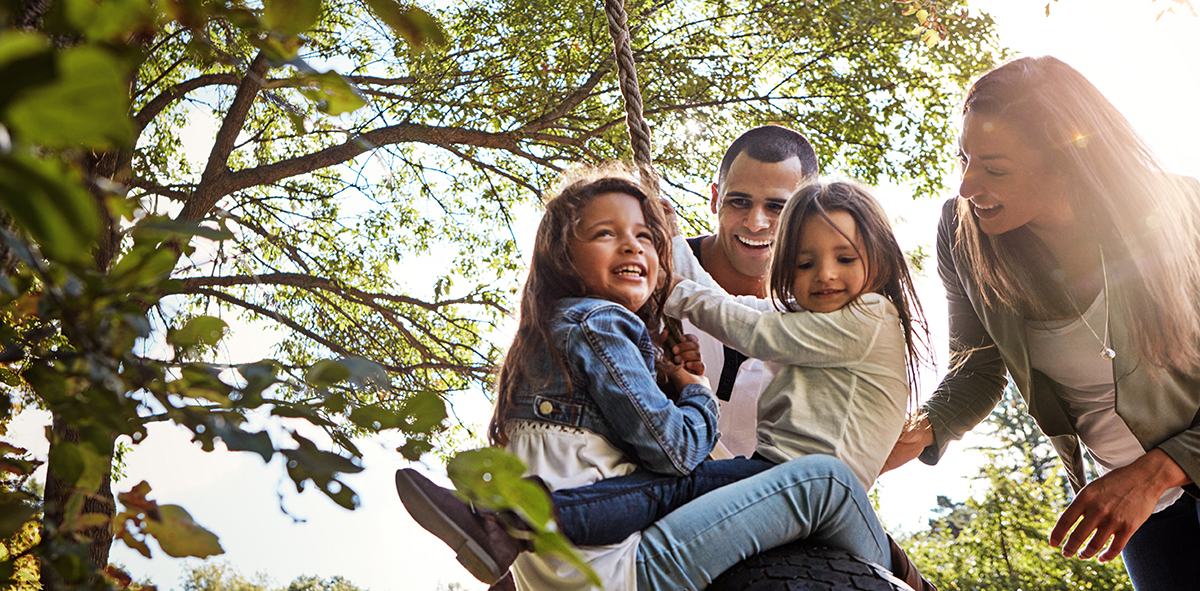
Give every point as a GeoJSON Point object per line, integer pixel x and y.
{"type": "Point", "coordinates": [546, 407]}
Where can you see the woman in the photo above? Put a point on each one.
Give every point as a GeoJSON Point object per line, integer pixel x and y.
{"type": "Point", "coordinates": [1072, 262]}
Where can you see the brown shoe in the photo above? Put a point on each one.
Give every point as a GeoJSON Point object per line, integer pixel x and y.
{"type": "Point", "coordinates": [905, 570]}
{"type": "Point", "coordinates": [483, 545]}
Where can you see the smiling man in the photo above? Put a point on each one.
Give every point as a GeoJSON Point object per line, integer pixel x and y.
{"type": "Point", "coordinates": [758, 174]}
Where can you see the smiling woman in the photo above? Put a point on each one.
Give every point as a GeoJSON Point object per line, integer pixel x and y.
{"type": "Point", "coordinates": [1062, 209]}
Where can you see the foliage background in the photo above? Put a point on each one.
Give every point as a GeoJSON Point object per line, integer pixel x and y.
{"type": "Point", "coordinates": [1123, 51]}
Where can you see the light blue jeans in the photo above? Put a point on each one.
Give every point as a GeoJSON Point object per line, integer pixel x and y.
{"type": "Point", "coordinates": [812, 497]}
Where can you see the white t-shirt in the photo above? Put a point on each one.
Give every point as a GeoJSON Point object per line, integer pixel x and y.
{"type": "Point", "coordinates": [1068, 352]}
{"type": "Point", "coordinates": [566, 458]}
{"type": "Point", "coordinates": [739, 414]}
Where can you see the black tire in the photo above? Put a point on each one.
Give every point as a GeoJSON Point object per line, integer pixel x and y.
{"type": "Point", "coordinates": [801, 566]}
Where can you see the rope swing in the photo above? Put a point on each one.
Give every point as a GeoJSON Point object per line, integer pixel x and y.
{"type": "Point", "coordinates": [635, 122]}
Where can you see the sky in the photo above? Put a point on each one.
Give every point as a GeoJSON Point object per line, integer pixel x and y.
{"type": "Point", "coordinates": [1150, 70]}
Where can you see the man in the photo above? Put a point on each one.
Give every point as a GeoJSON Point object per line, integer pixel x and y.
{"type": "Point", "coordinates": [758, 174]}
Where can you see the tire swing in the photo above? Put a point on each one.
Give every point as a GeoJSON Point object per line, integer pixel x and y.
{"type": "Point", "coordinates": [791, 567]}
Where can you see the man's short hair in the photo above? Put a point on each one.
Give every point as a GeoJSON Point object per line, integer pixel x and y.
{"type": "Point", "coordinates": [770, 144]}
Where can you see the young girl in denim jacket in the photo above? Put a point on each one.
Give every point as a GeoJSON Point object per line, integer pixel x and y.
{"type": "Point", "coordinates": [578, 402]}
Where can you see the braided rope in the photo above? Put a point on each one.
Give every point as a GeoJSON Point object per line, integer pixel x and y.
{"type": "Point", "coordinates": [635, 122]}
{"type": "Point", "coordinates": [639, 130]}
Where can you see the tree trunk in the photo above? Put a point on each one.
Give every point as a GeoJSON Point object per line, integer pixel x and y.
{"type": "Point", "coordinates": [58, 492]}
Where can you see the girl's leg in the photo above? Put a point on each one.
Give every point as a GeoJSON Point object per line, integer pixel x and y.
{"type": "Point", "coordinates": [609, 510]}
{"type": "Point", "coordinates": [1164, 554]}
{"type": "Point", "coordinates": [813, 497]}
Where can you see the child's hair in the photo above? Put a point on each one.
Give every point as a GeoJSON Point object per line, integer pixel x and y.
{"type": "Point", "coordinates": [553, 275]}
{"type": "Point", "coordinates": [886, 265]}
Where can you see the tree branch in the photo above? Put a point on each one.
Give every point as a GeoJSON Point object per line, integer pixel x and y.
{"type": "Point", "coordinates": [197, 285]}
{"type": "Point", "coordinates": [177, 91]}
{"type": "Point", "coordinates": [212, 181]}
{"type": "Point", "coordinates": [395, 134]}
{"type": "Point", "coordinates": [573, 100]}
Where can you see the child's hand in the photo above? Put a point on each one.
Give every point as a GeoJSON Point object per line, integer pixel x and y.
{"type": "Point", "coordinates": [687, 354]}
{"type": "Point", "coordinates": [681, 377]}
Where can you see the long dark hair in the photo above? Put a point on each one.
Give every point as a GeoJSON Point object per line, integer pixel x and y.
{"type": "Point", "coordinates": [886, 264]}
{"type": "Point", "coordinates": [553, 276]}
{"type": "Point", "coordinates": [1144, 220]}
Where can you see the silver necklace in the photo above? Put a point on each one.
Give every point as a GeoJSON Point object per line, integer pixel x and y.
{"type": "Point", "coordinates": [1105, 351]}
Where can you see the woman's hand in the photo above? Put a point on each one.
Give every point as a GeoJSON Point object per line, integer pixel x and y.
{"type": "Point", "coordinates": [916, 436]}
{"type": "Point", "coordinates": [1115, 506]}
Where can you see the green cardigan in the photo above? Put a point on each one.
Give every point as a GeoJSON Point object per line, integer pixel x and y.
{"type": "Point", "coordinates": [1161, 408]}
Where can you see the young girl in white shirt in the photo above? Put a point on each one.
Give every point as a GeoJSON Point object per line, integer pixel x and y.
{"type": "Point", "coordinates": [845, 344]}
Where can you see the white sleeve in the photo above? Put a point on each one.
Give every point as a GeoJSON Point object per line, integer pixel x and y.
{"type": "Point", "coordinates": [794, 338]}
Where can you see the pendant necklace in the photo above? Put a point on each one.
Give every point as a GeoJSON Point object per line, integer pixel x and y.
{"type": "Point", "coordinates": [1105, 351]}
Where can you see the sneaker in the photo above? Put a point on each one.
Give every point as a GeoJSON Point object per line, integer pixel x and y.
{"type": "Point", "coordinates": [483, 544]}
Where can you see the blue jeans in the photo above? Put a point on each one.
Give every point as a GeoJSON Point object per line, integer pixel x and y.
{"type": "Point", "coordinates": [812, 497]}
{"type": "Point", "coordinates": [609, 510]}
{"type": "Point", "coordinates": [1164, 553]}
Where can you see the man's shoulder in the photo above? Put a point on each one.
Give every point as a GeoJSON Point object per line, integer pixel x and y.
{"type": "Point", "coordinates": [695, 243]}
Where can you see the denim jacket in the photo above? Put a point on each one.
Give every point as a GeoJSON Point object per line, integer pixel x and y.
{"type": "Point", "coordinates": [613, 392]}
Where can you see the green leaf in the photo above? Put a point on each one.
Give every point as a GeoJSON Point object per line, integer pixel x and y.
{"type": "Point", "coordinates": [78, 465]}
{"type": "Point", "coordinates": [238, 17]}
{"type": "Point", "coordinates": [306, 462]}
{"type": "Point", "coordinates": [494, 478]}
{"type": "Point", "coordinates": [279, 50]}
{"type": "Point", "coordinates": [331, 92]}
{"type": "Point", "coordinates": [44, 197]}
{"type": "Point", "coordinates": [110, 20]}
{"type": "Point", "coordinates": [26, 62]}
{"type": "Point", "coordinates": [259, 376]}
{"type": "Point", "coordinates": [298, 411]}
{"type": "Point", "coordinates": [376, 418]}
{"type": "Point", "coordinates": [327, 372]}
{"type": "Point", "coordinates": [136, 544]}
{"type": "Point", "coordinates": [365, 373]}
{"type": "Point", "coordinates": [143, 266]}
{"type": "Point", "coordinates": [71, 566]}
{"type": "Point", "coordinates": [201, 380]}
{"type": "Point", "coordinates": [198, 331]}
{"type": "Point", "coordinates": [87, 106]}
{"type": "Point", "coordinates": [179, 536]}
{"type": "Point", "coordinates": [162, 229]}
{"type": "Point", "coordinates": [423, 412]}
{"type": "Point", "coordinates": [416, 26]}
{"type": "Point", "coordinates": [291, 17]}
{"type": "Point", "coordinates": [13, 515]}
{"type": "Point", "coordinates": [414, 448]}
{"type": "Point", "coordinates": [236, 439]}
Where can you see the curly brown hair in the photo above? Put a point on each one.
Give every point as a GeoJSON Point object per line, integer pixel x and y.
{"type": "Point", "coordinates": [553, 275]}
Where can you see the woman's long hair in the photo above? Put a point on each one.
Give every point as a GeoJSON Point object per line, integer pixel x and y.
{"type": "Point", "coordinates": [1145, 220]}
{"type": "Point", "coordinates": [553, 276]}
{"type": "Point", "coordinates": [886, 266]}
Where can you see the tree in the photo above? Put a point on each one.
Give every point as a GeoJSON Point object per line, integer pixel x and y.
{"type": "Point", "coordinates": [221, 576]}
{"type": "Point", "coordinates": [322, 191]}
{"type": "Point", "coordinates": [1000, 542]}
